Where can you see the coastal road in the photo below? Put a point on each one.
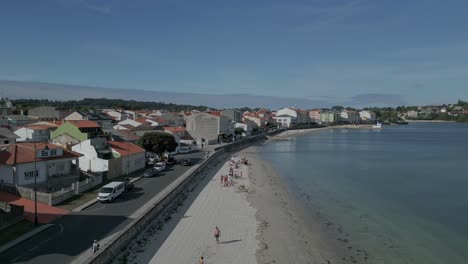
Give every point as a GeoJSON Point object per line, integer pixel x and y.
{"type": "Point", "coordinates": [74, 233]}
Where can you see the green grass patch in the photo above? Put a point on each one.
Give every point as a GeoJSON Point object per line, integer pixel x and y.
{"type": "Point", "coordinates": [15, 231]}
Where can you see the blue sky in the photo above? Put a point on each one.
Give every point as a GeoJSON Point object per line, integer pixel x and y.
{"type": "Point", "coordinates": [395, 51]}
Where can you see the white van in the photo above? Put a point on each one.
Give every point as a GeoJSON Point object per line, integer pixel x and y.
{"type": "Point", "coordinates": [111, 191]}
{"type": "Point", "coordinates": [185, 149]}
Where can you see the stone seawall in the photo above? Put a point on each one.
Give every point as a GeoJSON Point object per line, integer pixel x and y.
{"type": "Point", "coordinates": [164, 199]}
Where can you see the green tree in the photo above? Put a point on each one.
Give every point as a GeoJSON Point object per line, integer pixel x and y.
{"type": "Point", "coordinates": [239, 131]}
{"type": "Point", "coordinates": [158, 142]}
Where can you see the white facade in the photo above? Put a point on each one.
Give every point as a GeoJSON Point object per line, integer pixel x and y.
{"type": "Point", "coordinates": [134, 162]}
{"type": "Point", "coordinates": [367, 115]}
{"type": "Point", "coordinates": [247, 128]}
{"type": "Point", "coordinates": [26, 134]}
{"type": "Point", "coordinates": [255, 119]}
{"type": "Point", "coordinates": [90, 161]}
{"type": "Point", "coordinates": [285, 120]}
{"type": "Point", "coordinates": [300, 116]}
{"type": "Point", "coordinates": [208, 126]}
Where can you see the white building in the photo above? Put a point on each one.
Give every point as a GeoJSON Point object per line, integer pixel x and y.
{"type": "Point", "coordinates": [208, 125]}
{"type": "Point", "coordinates": [349, 116]}
{"type": "Point", "coordinates": [300, 116]}
{"type": "Point", "coordinates": [132, 156]}
{"type": "Point", "coordinates": [19, 166]}
{"type": "Point", "coordinates": [96, 154]}
{"type": "Point", "coordinates": [367, 116]}
{"type": "Point", "coordinates": [285, 121]}
{"type": "Point", "coordinates": [38, 132]}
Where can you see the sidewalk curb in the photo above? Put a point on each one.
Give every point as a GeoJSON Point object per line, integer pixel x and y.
{"type": "Point", "coordinates": [24, 237]}
{"type": "Point", "coordinates": [93, 201]}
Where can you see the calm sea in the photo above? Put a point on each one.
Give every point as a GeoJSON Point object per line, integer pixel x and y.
{"type": "Point", "coordinates": [401, 193]}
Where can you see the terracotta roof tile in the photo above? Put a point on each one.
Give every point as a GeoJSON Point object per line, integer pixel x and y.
{"type": "Point", "coordinates": [84, 123]}
{"type": "Point", "coordinates": [125, 148]}
{"type": "Point", "coordinates": [18, 153]}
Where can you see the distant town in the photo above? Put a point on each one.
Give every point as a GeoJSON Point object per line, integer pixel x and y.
{"type": "Point", "coordinates": [59, 151]}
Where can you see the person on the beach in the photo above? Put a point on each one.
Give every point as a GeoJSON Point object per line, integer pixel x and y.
{"type": "Point", "coordinates": [201, 261]}
{"type": "Point", "coordinates": [95, 246]}
{"type": "Point", "coordinates": [217, 234]}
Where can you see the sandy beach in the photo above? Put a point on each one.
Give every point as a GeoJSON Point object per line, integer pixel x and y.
{"type": "Point", "coordinates": [260, 225]}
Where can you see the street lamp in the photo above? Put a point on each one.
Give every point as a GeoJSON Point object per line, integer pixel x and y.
{"type": "Point", "coordinates": [35, 173]}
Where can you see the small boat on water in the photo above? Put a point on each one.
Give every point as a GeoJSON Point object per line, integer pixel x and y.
{"type": "Point", "coordinates": [377, 126]}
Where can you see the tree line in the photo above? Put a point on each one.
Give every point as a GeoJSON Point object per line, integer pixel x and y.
{"type": "Point", "coordinates": [103, 103]}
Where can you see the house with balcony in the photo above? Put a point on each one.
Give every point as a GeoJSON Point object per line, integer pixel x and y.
{"type": "Point", "coordinates": [37, 132]}
{"type": "Point", "coordinates": [209, 126]}
{"type": "Point", "coordinates": [20, 163]}
{"type": "Point", "coordinates": [75, 131]}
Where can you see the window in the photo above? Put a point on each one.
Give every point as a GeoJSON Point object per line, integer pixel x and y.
{"type": "Point", "coordinates": [53, 152]}
{"type": "Point", "coordinates": [44, 153]}
{"type": "Point", "coordinates": [28, 175]}
{"type": "Point", "coordinates": [6, 142]}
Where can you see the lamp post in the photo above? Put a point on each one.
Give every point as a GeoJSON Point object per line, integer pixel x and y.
{"type": "Point", "coordinates": [35, 173]}
{"type": "Point", "coordinates": [35, 185]}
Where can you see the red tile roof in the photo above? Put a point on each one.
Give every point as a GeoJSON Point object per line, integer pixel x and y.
{"type": "Point", "coordinates": [215, 113]}
{"type": "Point", "coordinates": [18, 153]}
{"type": "Point", "coordinates": [175, 129]}
{"type": "Point", "coordinates": [125, 148]}
{"type": "Point", "coordinates": [84, 123]}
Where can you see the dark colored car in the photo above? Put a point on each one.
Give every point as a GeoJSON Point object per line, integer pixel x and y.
{"type": "Point", "coordinates": [186, 162]}
{"type": "Point", "coordinates": [171, 161]}
{"type": "Point", "coordinates": [128, 184]}
{"type": "Point", "coordinates": [149, 173]}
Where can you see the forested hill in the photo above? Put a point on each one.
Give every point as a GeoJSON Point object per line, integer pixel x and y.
{"type": "Point", "coordinates": [103, 103]}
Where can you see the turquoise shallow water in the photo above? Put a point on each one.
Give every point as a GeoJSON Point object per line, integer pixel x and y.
{"type": "Point", "coordinates": [401, 193]}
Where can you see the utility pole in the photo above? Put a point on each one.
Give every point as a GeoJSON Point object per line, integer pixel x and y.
{"type": "Point", "coordinates": [35, 185]}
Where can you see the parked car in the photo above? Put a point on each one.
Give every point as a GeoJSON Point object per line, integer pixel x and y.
{"type": "Point", "coordinates": [184, 150]}
{"type": "Point", "coordinates": [110, 191]}
{"type": "Point", "coordinates": [149, 173]}
{"type": "Point", "coordinates": [171, 161]}
{"type": "Point", "coordinates": [128, 184]}
{"type": "Point", "coordinates": [160, 166]}
{"type": "Point", "coordinates": [186, 162]}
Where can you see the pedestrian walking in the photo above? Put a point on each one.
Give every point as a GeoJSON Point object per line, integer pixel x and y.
{"type": "Point", "coordinates": [95, 246]}
{"type": "Point", "coordinates": [217, 234]}
{"type": "Point", "coordinates": [201, 261]}
{"type": "Point", "coordinates": [222, 179]}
